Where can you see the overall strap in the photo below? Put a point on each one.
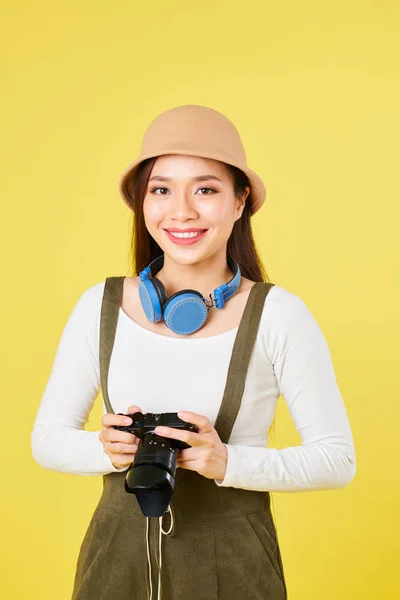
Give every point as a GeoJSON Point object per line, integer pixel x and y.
{"type": "Point", "coordinates": [240, 359]}
{"type": "Point", "coordinates": [111, 303]}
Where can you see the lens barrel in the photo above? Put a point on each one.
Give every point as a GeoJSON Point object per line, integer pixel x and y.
{"type": "Point", "coordinates": [152, 475]}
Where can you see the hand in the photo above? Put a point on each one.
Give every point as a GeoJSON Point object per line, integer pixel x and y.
{"type": "Point", "coordinates": [120, 446]}
{"type": "Point", "coordinates": [208, 455]}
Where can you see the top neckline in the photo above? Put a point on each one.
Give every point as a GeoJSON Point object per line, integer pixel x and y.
{"type": "Point", "coordinates": [136, 325]}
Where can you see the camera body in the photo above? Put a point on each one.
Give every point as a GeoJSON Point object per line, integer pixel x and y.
{"type": "Point", "coordinates": [145, 423]}
{"type": "Point", "coordinates": [151, 476]}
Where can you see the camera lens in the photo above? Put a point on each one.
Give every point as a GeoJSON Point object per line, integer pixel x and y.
{"type": "Point", "coordinates": [152, 475]}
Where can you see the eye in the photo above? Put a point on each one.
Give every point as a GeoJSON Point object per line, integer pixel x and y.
{"type": "Point", "coordinates": [153, 190]}
{"type": "Point", "coordinates": [158, 188]}
{"type": "Point", "coordinates": [207, 188]}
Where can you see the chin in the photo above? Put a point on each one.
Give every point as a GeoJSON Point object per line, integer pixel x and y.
{"type": "Point", "coordinates": [182, 258]}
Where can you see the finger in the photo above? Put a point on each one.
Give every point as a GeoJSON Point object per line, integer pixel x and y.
{"type": "Point", "coordinates": [191, 438]}
{"type": "Point", "coordinates": [202, 422]}
{"type": "Point", "coordinates": [114, 435]}
{"type": "Point", "coordinates": [133, 409]}
{"type": "Point", "coordinates": [190, 465]}
{"type": "Point", "coordinates": [122, 460]}
{"type": "Point", "coordinates": [189, 454]}
{"type": "Point", "coordinates": [110, 419]}
{"type": "Point", "coordinates": [121, 448]}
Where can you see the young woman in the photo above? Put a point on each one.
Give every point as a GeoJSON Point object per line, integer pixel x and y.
{"type": "Point", "coordinates": [200, 333]}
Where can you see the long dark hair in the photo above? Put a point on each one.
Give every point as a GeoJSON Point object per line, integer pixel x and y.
{"type": "Point", "coordinates": [241, 245]}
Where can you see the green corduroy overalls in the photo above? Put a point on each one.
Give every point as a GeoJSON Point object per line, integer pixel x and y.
{"type": "Point", "coordinates": [221, 543]}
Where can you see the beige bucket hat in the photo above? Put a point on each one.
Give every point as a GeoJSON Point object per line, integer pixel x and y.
{"type": "Point", "coordinates": [196, 131]}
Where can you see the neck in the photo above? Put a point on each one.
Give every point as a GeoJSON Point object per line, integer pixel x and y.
{"type": "Point", "coordinates": [203, 276]}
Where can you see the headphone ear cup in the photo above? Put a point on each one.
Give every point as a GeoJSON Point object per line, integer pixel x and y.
{"type": "Point", "coordinates": [185, 312]}
{"type": "Point", "coordinates": [162, 292]}
{"type": "Point", "coordinates": [153, 297]}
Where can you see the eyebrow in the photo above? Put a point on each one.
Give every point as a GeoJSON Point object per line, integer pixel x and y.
{"type": "Point", "coordinates": [199, 178]}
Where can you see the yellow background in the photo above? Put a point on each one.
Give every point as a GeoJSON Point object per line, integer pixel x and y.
{"type": "Point", "coordinates": [314, 90]}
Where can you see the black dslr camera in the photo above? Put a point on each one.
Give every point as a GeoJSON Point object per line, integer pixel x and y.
{"type": "Point", "coordinates": [151, 477]}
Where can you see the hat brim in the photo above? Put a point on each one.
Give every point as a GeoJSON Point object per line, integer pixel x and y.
{"type": "Point", "coordinates": [258, 190]}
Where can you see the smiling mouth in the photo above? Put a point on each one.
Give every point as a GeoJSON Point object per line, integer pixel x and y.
{"type": "Point", "coordinates": [185, 234]}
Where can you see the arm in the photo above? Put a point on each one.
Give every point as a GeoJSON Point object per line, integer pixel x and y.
{"type": "Point", "coordinates": [306, 379]}
{"type": "Point", "coordinates": [59, 441]}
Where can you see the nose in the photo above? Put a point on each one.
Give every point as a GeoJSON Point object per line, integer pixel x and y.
{"type": "Point", "coordinates": [181, 206]}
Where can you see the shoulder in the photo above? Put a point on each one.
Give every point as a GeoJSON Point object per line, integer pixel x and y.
{"type": "Point", "coordinates": [285, 319]}
{"type": "Point", "coordinates": [87, 307]}
{"type": "Point", "coordinates": [282, 303]}
{"type": "Point", "coordinates": [92, 296]}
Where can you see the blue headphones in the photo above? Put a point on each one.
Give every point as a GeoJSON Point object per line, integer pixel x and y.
{"type": "Point", "coordinates": [186, 311]}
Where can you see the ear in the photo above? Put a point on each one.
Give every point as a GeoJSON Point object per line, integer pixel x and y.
{"type": "Point", "coordinates": [242, 201]}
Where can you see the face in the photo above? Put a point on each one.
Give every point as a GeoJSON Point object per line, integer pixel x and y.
{"type": "Point", "coordinates": [191, 193]}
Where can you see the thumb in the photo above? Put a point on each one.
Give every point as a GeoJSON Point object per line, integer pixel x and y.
{"type": "Point", "coordinates": [133, 409]}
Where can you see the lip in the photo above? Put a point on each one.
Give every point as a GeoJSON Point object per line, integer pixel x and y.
{"type": "Point", "coordinates": [189, 230]}
{"type": "Point", "coordinates": [185, 241]}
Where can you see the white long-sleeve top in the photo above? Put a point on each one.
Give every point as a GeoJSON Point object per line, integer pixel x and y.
{"type": "Point", "coordinates": [165, 374]}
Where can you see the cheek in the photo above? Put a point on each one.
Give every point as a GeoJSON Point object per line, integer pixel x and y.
{"type": "Point", "coordinates": [152, 211]}
{"type": "Point", "coordinates": [219, 213]}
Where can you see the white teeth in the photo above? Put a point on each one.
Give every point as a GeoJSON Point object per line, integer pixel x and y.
{"type": "Point", "coordinates": [185, 235]}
